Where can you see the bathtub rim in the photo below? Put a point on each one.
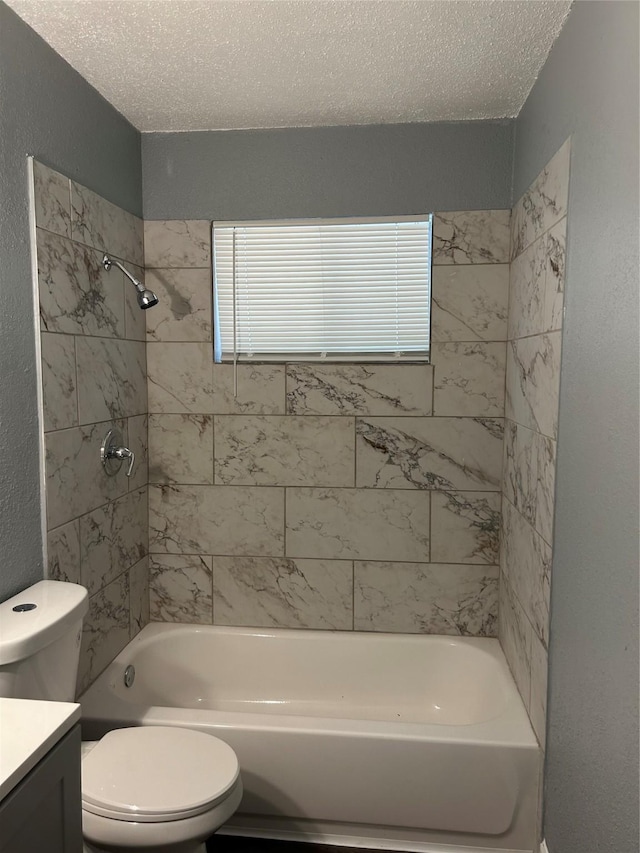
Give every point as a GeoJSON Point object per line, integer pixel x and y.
{"type": "Point", "coordinates": [100, 704]}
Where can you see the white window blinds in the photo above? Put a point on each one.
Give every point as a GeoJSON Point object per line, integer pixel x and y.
{"type": "Point", "coordinates": [323, 289]}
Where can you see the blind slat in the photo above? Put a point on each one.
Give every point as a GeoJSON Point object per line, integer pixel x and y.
{"type": "Point", "coordinates": [324, 288]}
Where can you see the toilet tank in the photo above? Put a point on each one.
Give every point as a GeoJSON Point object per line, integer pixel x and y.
{"type": "Point", "coordinates": [40, 633]}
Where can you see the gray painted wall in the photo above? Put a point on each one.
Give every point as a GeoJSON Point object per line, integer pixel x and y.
{"type": "Point", "coordinates": [327, 171]}
{"type": "Point", "coordinates": [589, 88]}
{"type": "Point", "coordinates": [47, 110]}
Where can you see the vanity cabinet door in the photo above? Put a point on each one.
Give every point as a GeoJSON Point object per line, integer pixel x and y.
{"type": "Point", "coordinates": [43, 814]}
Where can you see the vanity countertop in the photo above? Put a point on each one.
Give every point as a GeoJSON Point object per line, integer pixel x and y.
{"type": "Point", "coordinates": [29, 728]}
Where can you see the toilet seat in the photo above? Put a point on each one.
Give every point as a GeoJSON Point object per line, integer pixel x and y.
{"type": "Point", "coordinates": [154, 774]}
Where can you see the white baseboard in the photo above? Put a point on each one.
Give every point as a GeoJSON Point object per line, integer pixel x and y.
{"type": "Point", "coordinates": [543, 847]}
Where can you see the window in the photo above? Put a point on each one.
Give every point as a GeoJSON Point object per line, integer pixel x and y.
{"type": "Point", "coordinates": [336, 289]}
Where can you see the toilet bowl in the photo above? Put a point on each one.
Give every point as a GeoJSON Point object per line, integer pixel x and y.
{"type": "Point", "coordinates": [156, 788]}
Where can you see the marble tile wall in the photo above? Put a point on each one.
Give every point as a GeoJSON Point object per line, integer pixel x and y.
{"type": "Point", "coordinates": [389, 497]}
{"type": "Point", "coordinates": [93, 347]}
{"type": "Point", "coordinates": [536, 286]}
{"type": "Point", "coordinates": [337, 496]}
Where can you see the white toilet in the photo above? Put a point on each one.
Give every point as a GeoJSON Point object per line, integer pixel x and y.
{"type": "Point", "coordinates": [153, 788]}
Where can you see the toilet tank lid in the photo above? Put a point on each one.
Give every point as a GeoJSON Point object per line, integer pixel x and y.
{"type": "Point", "coordinates": [25, 629]}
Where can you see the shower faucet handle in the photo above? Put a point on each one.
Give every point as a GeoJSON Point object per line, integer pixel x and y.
{"type": "Point", "coordinates": [123, 453]}
{"type": "Point", "coordinates": [113, 453]}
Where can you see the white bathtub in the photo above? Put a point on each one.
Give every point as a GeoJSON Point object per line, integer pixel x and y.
{"type": "Point", "coordinates": [385, 740]}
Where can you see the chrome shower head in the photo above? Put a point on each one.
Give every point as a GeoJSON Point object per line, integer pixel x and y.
{"type": "Point", "coordinates": [146, 298]}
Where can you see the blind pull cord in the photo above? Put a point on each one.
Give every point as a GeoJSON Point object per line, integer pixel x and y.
{"type": "Point", "coordinates": [235, 321]}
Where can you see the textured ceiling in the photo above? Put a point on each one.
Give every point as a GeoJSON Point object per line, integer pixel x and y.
{"type": "Point", "coordinates": [186, 65]}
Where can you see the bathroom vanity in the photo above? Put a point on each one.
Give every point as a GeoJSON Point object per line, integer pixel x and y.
{"type": "Point", "coordinates": [40, 801]}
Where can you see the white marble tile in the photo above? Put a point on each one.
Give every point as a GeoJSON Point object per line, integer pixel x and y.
{"type": "Point", "coordinates": [469, 303]}
{"type": "Point", "coordinates": [184, 310]}
{"type": "Point", "coordinates": [543, 204]}
{"type": "Point", "coordinates": [284, 450]}
{"type": "Point", "coordinates": [111, 379]}
{"type": "Point", "coordinates": [60, 399]}
{"type": "Point", "coordinates": [135, 319]}
{"type": "Point", "coordinates": [261, 389]}
{"type": "Point", "coordinates": [359, 389]}
{"type": "Point", "coordinates": [137, 441]}
{"type": "Point", "coordinates": [221, 520]}
{"type": "Point", "coordinates": [538, 697]}
{"type": "Point", "coordinates": [425, 598]}
{"type": "Point", "coordinates": [181, 589]}
{"type": "Point", "coordinates": [471, 237]}
{"type": "Point", "coordinates": [105, 630]}
{"type": "Point", "coordinates": [525, 560]}
{"type": "Point", "coordinates": [465, 527]}
{"type": "Point", "coordinates": [545, 487]}
{"type": "Point", "coordinates": [515, 633]}
{"type": "Point", "coordinates": [180, 378]}
{"type": "Point", "coordinates": [429, 453]}
{"type": "Point", "coordinates": [555, 275]}
{"type": "Point", "coordinates": [139, 596]}
{"type": "Point", "coordinates": [113, 538]}
{"type": "Point", "coordinates": [529, 476]}
{"type": "Point", "coordinates": [63, 553]}
{"type": "Point", "coordinates": [527, 290]}
{"type": "Point", "coordinates": [282, 593]}
{"type": "Point", "coordinates": [77, 295]}
{"type": "Point", "coordinates": [105, 226]}
{"type": "Point", "coordinates": [533, 382]}
{"type": "Point", "coordinates": [540, 803]}
{"type": "Point", "coordinates": [520, 468]}
{"type": "Point", "coordinates": [181, 449]}
{"type": "Point", "coordinates": [76, 480]}
{"type": "Point", "coordinates": [469, 379]}
{"type": "Point", "coordinates": [177, 243]}
{"type": "Point", "coordinates": [52, 200]}
{"type": "Point", "coordinates": [362, 524]}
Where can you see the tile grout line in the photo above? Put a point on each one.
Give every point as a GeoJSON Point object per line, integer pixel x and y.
{"type": "Point", "coordinates": [70, 208]}
{"type": "Point", "coordinates": [213, 447]}
{"type": "Point", "coordinates": [114, 338]}
{"type": "Point", "coordinates": [108, 503]}
{"type": "Point", "coordinates": [116, 577]}
{"type": "Point", "coordinates": [353, 595]}
{"type": "Point", "coordinates": [75, 362]}
{"type": "Point", "coordinates": [316, 487]}
{"type": "Point", "coordinates": [433, 390]}
{"type": "Point", "coordinates": [531, 526]}
{"type": "Point", "coordinates": [316, 559]}
{"type": "Point", "coordinates": [77, 518]}
{"type": "Point", "coordinates": [355, 453]}
{"type": "Point", "coordinates": [285, 532]}
{"type": "Point", "coordinates": [311, 415]}
{"type": "Point", "coordinates": [213, 592]}
{"type": "Point", "coordinates": [430, 529]}
{"type": "Point", "coordinates": [286, 390]}
{"type": "Point", "coordinates": [117, 255]}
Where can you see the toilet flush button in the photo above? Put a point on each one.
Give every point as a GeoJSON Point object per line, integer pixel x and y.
{"type": "Point", "coordinates": [22, 608]}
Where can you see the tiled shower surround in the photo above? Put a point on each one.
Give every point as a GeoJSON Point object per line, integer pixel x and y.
{"type": "Point", "coordinates": [93, 374]}
{"type": "Point", "coordinates": [337, 496]}
{"type": "Point", "coordinates": [538, 231]}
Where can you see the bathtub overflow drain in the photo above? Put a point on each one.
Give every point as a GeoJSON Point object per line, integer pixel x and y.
{"type": "Point", "coordinates": [129, 676]}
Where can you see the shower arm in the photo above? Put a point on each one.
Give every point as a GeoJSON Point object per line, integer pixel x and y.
{"type": "Point", "coordinates": [108, 262]}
